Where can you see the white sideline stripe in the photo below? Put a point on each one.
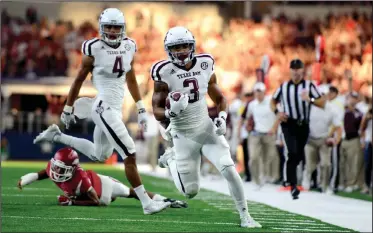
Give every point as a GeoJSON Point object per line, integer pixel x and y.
{"type": "Point", "coordinates": [284, 219]}
{"type": "Point", "coordinates": [29, 188]}
{"type": "Point", "coordinates": [122, 220]}
{"type": "Point", "coordinates": [28, 195]}
{"type": "Point", "coordinates": [307, 229]}
{"type": "Point", "coordinates": [298, 223]}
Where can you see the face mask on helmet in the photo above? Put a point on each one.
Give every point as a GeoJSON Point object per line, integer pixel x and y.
{"type": "Point", "coordinates": [60, 172]}
{"type": "Point", "coordinates": [112, 34]}
{"type": "Point", "coordinates": [181, 53]}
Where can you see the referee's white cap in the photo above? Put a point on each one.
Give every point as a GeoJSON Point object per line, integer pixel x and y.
{"type": "Point", "coordinates": [259, 86]}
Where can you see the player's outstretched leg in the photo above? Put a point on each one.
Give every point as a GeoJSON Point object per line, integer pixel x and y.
{"type": "Point", "coordinates": [220, 157]}
{"type": "Point", "coordinates": [54, 134]}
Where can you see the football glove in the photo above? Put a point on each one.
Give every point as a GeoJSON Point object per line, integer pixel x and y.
{"type": "Point", "coordinates": [176, 107]}
{"type": "Point", "coordinates": [220, 123]}
{"type": "Point", "coordinates": [142, 117]}
{"type": "Point", "coordinates": [63, 200]}
{"type": "Point", "coordinates": [67, 116]}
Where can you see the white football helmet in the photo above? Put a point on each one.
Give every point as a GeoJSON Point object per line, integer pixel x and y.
{"type": "Point", "coordinates": [113, 17]}
{"type": "Point", "coordinates": [178, 36]}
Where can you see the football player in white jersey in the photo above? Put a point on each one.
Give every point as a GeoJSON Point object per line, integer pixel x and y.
{"type": "Point", "coordinates": [110, 60]}
{"type": "Point", "coordinates": [193, 132]}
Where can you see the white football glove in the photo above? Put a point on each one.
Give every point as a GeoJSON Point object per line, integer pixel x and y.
{"type": "Point", "coordinates": [220, 123]}
{"type": "Point", "coordinates": [142, 118]}
{"type": "Point", "coordinates": [67, 116]}
{"type": "Point", "coordinates": [176, 107]}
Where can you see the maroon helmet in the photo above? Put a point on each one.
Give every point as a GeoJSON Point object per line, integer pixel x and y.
{"type": "Point", "coordinates": [63, 164]}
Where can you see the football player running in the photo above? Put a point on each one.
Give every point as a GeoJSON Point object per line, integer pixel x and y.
{"type": "Point", "coordinates": [84, 188]}
{"type": "Point", "coordinates": [110, 59]}
{"type": "Point", "coordinates": [193, 132]}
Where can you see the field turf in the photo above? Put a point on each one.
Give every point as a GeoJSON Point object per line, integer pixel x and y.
{"type": "Point", "coordinates": [35, 209]}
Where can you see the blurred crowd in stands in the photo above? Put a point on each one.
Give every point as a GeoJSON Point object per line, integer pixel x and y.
{"type": "Point", "coordinates": [35, 47]}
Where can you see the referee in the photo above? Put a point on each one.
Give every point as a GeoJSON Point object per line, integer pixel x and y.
{"type": "Point", "coordinates": [296, 97]}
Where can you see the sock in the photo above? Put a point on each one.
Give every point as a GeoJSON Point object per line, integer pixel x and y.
{"type": "Point", "coordinates": [236, 189]}
{"type": "Point", "coordinates": [142, 195]}
{"type": "Point", "coordinates": [82, 145]}
{"type": "Point", "coordinates": [158, 197]}
{"type": "Point", "coordinates": [175, 175]}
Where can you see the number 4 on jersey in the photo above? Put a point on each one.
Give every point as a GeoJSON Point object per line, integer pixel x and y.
{"type": "Point", "coordinates": [118, 66]}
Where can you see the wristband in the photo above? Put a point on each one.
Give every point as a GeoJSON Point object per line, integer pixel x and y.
{"type": "Point", "coordinates": [68, 109]}
{"type": "Point", "coordinates": [140, 104]}
{"type": "Point", "coordinates": [223, 115]}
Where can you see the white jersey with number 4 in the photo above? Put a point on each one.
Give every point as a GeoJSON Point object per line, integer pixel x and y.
{"type": "Point", "coordinates": [194, 82]}
{"type": "Point", "coordinates": [110, 68]}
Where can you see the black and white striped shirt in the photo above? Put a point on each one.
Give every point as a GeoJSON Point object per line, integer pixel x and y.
{"type": "Point", "coordinates": [289, 95]}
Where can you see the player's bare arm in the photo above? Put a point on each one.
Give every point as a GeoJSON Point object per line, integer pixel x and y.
{"type": "Point", "coordinates": [132, 84]}
{"type": "Point", "coordinates": [85, 69]}
{"type": "Point", "coordinates": [159, 100]}
{"type": "Point", "coordinates": [216, 95]}
{"type": "Point", "coordinates": [92, 201]}
{"type": "Point", "coordinates": [218, 98]}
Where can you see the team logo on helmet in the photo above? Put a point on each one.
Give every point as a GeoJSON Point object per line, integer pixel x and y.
{"type": "Point", "coordinates": [204, 65]}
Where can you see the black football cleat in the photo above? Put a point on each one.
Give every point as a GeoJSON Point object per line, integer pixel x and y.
{"type": "Point", "coordinates": [295, 193]}
{"type": "Point", "coordinates": [176, 203]}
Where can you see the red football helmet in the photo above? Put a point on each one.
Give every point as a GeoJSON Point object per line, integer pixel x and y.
{"type": "Point", "coordinates": [63, 164]}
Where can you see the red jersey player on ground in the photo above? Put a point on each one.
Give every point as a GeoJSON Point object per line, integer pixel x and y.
{"type": "Point", "coordinates": [85, 188]}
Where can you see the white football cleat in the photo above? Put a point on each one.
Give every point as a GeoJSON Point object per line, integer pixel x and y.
{"type": "Point", "coordinates": [48, 134]}
{"type": "Point", "coordinates": [249, 222]}
{"type": "Point", "coordinates": [155, 207]}
{"type": "Point", "coordinates": [162, 161]}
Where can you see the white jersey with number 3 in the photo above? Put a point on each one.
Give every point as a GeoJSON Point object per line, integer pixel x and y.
{"type": "Point", "coordinates": [194, 82]}
{"type": "Point", "coordinates": [110, 68]}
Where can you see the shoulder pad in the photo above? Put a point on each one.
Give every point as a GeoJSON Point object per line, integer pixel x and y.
{"type": "Point", "coordinates": [207, 57]}
{"type": "Point", "coordinates": [157, 68]}
{"type": "Point", "coordinates": [132, 42]}
{"type": "Point", "coordinates": [87, 46]}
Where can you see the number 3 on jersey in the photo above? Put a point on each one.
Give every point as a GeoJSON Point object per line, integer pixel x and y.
{"type": "Point", "coordinates": [118, 66]}
{"type": "Point", "coordinates": [194, 89]}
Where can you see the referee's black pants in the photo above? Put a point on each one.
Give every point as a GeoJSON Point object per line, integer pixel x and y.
{"type": "Point", "coordinates": [296, 135]}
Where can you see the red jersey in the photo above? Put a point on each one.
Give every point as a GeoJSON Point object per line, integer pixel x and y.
{"type": "Point", "coordinates": [80, 183]}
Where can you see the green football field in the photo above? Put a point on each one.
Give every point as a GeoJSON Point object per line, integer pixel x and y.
{"type": "Point", "coordinates": [35, 209]}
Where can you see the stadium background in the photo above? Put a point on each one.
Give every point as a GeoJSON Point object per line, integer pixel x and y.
{"type": "Point", "coordinates": [40, 56]}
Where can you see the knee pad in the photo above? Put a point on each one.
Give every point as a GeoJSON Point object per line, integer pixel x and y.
{"type": "Point", "coordinates": [189, 178]}
{"type": "Point", "coordinates": [224, 162]}
{"type": "Point", "coordinates": [191, 190]}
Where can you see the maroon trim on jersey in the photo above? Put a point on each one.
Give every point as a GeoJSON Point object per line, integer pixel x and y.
{"type": "Point", "coordinates": [159, 68]}
{"type": "Point", "coordinates": [152, 70]}
{"type": "Point", "coordinates": [194, 61]}
{"type": "Point", "coordinates": [90, 47]}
